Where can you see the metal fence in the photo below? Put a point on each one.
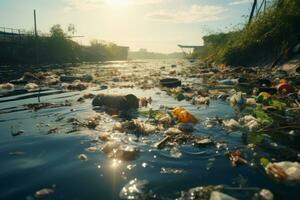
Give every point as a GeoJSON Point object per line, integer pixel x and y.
{"type": "Point", "coordinates": [8, 34]}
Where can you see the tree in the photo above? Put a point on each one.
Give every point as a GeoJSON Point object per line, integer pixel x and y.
{"type": "Point", "coordinates": [72, 29]}
{"type": "Point", "coordinates": [57, 32]}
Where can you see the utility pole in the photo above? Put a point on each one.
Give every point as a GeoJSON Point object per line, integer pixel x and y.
{"type": "Point", "coordinates": [35, 30]}
{"type": "Point", "coordinates": [36, 39]}
{"type": "Point", "coordinates": [252, 11]}
{"type": "Point", "coordinates": [36, 50]}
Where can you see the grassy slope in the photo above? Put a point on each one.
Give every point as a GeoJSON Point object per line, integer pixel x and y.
{"type": "Point", "coordinates": [269, 35]}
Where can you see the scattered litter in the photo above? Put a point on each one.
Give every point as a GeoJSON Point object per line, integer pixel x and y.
{"type": "Point", "coordinates": [92, 149]}
{"type": "Point", "coordinates": [266, 194]}
{"type": "Point", "coordinates": [17, 133]}
{"type": "Point", "coordinates": [231, 124]}
{"type": "Point", "coordinates": [237, 99]}
{"type": "Point", "coordinates": [236, 158]}
{"type": "Point", "coordinates": [31, 87]}
{"type": "Point", "coordinates": [175, 152]}
{"type": "Point", "coordinates": [215, 195]}
{"type": "Point", "coordinates": [184, 116]}
{"type": "Point", "coordinates": [44, 192]}
{"type": "Point", "coordinates": [7, 86]}
{"type": "Point", "coordinates": [161, 144]}
{"type": "Point", "coordinates": [164, 170]}
{"type": "Point", "coordinates": [83, 157]}
{"type": "Point", "coordinates": [284, 171]}
{"type": "Point", "coordinates": [250, 122]}
{"type": "Point", "coordinates": [202, 142]}
{"type": "Point", "coordinates": [53, 130]}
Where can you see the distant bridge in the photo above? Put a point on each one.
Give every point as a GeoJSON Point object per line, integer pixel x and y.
{"type": "Point", "coordinates": [188, 50]}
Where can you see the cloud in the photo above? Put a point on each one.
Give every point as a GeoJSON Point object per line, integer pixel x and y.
{"type": "Point", "coordinates": [83, 4]}
{"type": "Point", "coordinates": [196, 13]}
{"type": "Point", "coordinates": [95, 4]}
{"type": "Point", "coordinates": [238, 2]}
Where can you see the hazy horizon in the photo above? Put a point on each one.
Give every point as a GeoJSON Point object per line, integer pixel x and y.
{"type": "Point", "coordinates": [156, 25]}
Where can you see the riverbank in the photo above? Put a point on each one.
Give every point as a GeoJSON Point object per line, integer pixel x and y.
{"type": "Point", "coordinates": [58, 47]}
{"type": "Point", "coordinates": [273, 37]}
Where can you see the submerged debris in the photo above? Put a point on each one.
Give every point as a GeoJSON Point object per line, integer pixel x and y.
{"type": "Point", "coordinates": [19, 132]}
{"type": "Point", "coordinates": [135, 189]}
{"type": "Point", "coordinates": [117, 150]}
{"type": "Point", "coordinates": [236, 158]}
{"type": "Point", "coordinates": [202, 192]}
{"type": "Point", "coordinates": [164, 170]}
{"type": "Point", "coordinates": [93, 121]}
{"type": "Point", "coordinates": [38, 106]}
{"type": "Point", "coordinates": [44, 192]}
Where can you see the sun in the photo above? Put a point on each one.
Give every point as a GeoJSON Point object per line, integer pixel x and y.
{"type": "Point", "coordinates": [118, 2]}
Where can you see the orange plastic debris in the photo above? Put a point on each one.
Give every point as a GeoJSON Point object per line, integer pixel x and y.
{"type": "Point", "coordinates": [184, 116]}
{"type": "Point", "coordinates": [222, 66]}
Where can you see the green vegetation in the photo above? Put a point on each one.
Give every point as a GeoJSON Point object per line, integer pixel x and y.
{"type": "Point", "coordinates": [270, 35]}
{"type": "Point", "coordinates": [57, 48]}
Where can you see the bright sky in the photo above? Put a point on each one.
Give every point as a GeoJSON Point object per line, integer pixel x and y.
{"type": "Point", "coordinates": [158, 25]}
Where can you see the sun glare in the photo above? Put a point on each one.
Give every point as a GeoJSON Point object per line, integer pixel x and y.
{"type": "Point", "coordinates": [118, 2]}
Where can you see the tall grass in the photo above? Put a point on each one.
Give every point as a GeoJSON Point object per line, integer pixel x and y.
{"type": "Point", "coordinates": [269, 35]}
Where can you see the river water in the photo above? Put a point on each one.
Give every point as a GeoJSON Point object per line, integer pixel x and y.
{"type": "Point", "coordinates": [35, 160]}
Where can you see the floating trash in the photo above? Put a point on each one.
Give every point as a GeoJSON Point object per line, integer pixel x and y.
{"type": "Point", "coordinates": [134, 189]}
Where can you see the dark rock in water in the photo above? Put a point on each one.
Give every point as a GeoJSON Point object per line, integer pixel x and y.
{"type": "Point", "coordinates": [65, 78]}
{"type": "Point", "coordinates": [120, 102]}
{"type": "Point", "coordinates": [18, 81]}
{"type": "Point", "coordinates": [70, 78]}
{"type": "Point", "coordinates": [223, 97]}
{"type": "Point", "coordinates": [186, 127]}
{"type": "Point", "coordinates": [103, 87]}
{"type": "Point", "coordinates": [170, 82]}
{"type": "Point", "coordinates": [264, 83]}
{"type": "Point", "coordinates": [268, 90]}
{"type": "Point", "coordinates": [20, 132]}
{"type": "Point", "coordinates": [242, 80]}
